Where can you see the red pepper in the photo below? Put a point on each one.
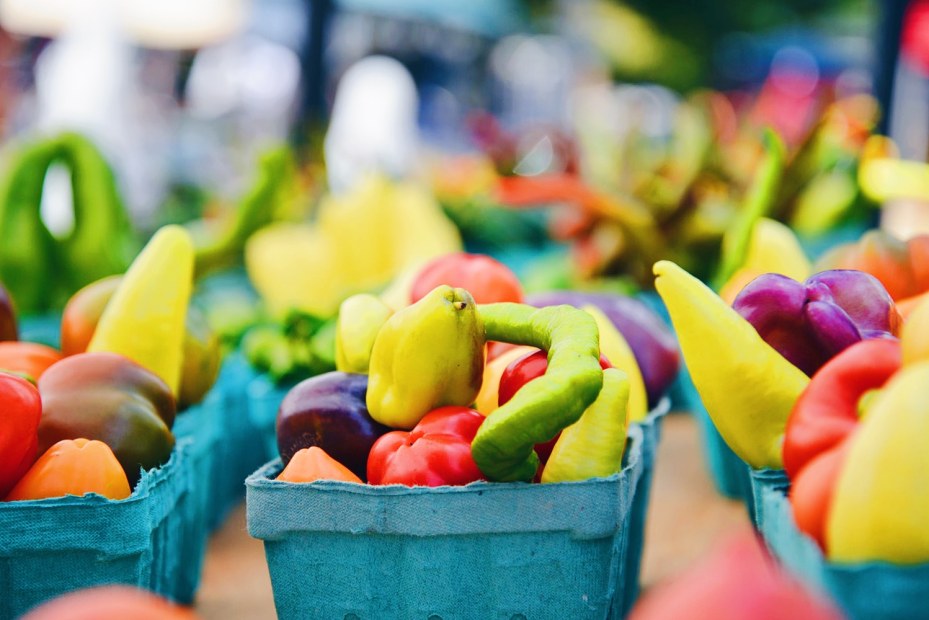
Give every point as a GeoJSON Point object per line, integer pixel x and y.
{"type": "Point", "coordinates": [20, 411]}
{"type": "Point", "coordinates": [436, 452]}
{"type": "Point", "coordinates": [823, 420]}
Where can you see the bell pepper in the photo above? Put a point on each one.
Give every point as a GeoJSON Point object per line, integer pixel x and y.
{"type": "Point", "coordinates": [822, 422]}
{"type": "Point", "coordinates": [772, 248]}
{"type": "Point", "coordinates": [40, 270]}
{"type": "Point", "coordinates": [145, 318]}
{"type": "Point", "coordinates": [311, 464]}
{"type": "Point", "coordinates": [22, 408]}
{"type": "Point", "coordinates": [201, 349]}
{"type": "Point", "coordinates": [808, 323]}
{"type": "Point", "coordinates": [436, 452]}
{"type": "Point", "coordinates": [73, 467]}
{"type": "Point", "coordinates": [914, 336]}
{"type": "Point", "coordinates": [108, 397]}
{"type": "Point", "coordinates": [901, 266]}
{"type": "Point", "coordinates": [593, 446]}
{"type": "Point", "coordinates": [8, 329]}
{"type": "Point", "coordinates": [29, 359]}
{"type": "Point", "coordinates": [112, 602]}
{"type": "Point", "coordinates": [879, 506]}
{"type": "Point", "coordinates": [488, 398]}
{"type": "Point", "coordinates": [503, 447]}
{"type": "Point", "coordinates": [748, 388]}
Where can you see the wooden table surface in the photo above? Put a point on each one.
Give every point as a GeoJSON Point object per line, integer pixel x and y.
{"type": "Point", "coordinates": [685, 518]}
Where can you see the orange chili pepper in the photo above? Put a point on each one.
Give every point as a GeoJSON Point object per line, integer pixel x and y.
{"type": "Point", "coordinates": [73, 467]}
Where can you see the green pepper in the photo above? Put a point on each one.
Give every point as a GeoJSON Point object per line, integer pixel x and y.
{"type": "Point", "coordinates": [41, 270]}
{"type": "Point", "coordinates": [503, 447]}
{"type": "Point", "coordinates": [107, 397]}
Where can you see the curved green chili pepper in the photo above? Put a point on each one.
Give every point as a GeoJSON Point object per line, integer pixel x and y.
{"type": "Point", "coordinates": [503, 447]}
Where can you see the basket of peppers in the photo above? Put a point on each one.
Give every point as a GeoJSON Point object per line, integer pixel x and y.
{"type": "Point", "coordinates": [829, 413]}
{"type": "Point", "coordinates": [420, 481]}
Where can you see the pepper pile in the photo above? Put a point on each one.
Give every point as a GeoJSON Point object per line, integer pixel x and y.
{"type": "Point", "coordinates": [100, 412]}
{"type": "Point", "coordinates": [824, 379]}
{"type": "Point", "coordinates": [414, 403]}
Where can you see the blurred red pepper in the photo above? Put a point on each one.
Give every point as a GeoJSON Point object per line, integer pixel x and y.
{"type": "Point", "coordinates": [27, 358]}
{"type": "Point", "coordinates": [436, 452]}
{"type": "Point", "coordinates": [21, 410]}
{"type": "Point", "coordinates": [108, 397]}
{"type": "Point", "coordinates": [822, 421]}
{"type": "Point", "coordinates": [519, 373]}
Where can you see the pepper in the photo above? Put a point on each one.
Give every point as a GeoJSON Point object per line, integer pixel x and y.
{"type": "Point", "coordinates": [20, 408]}
{"type": "Point", "coordinates": [268, 199]}
{"type": "Point", "coordinates": [311, 464]}
{"type": "Point", "coordinates": [748, 388]}
{"type": "Point", "coordinates": [879, 506]}
{"type": "Point", "coordinates": [822, 421]}
{"type": "Point", "coordinates": [112, 602]}
{"type": "Point", "coordinates": [41, 270]}
{"type": "Point", "coordinates": [201, 349]}
{"type": "Point", "coordinates": [503, 447]}
{"type": "Point", "coordinates": [145, 318]}
{"type": "Point", "coordinates": [73, 467]}
{"type": "Point", "coordinates": [615, 348]}
{"type": "Point", "coordinates": [108, 397]}
{"type": "Point", "coordinates": [28, 359]}
{"type": "Point", "coordinates": [593, 446]}
{"type": "Point", "coordinates": [436, 452]}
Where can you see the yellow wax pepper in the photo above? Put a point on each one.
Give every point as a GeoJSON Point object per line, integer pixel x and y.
{"type": "Point", "coordinates": [615, 348]}
{"type": "Point", "coordinates": [915, 335]}
{"type": "Point", "coordinates": [772, 248]}
{"type": "Point", "coordinates": [880, 507]}
{"type": "Point", "coordinates": [593, 446]}
{"type": "Point", "coordinates": [145, 318]}
{"type": "Point", "coordinates": [748, 388]}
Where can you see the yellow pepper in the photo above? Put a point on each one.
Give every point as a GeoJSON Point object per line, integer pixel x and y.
{"type": "Point", "coordinates": [145, 318]}
{"type": "Point", "coordinates": [880, 507]}
{"type": "Point", "coordinates": [748, 388]}
{"type": "Point", "coordinates": [615, 348]}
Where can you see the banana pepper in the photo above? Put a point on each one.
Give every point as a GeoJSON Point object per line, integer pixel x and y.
{"type": "Point", "coordinates": [748, 388]}
{"type": "Point", "coordinates": [41, 270]}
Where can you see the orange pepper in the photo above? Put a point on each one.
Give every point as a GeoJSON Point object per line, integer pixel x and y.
{"type": "Point", "coordinates": [27, 358]}
{"type": "Point", "coordinates": [73, 467]}
{"type": "Point", "coordinates": [310, 464]}
{"type": "Point", "coordinates": [109, 603]}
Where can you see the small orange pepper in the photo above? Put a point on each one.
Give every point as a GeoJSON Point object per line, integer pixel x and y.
{"type": "Point", "coordinates": [73, 467]}
{"type": "Point", "coordinates": [311, 464]}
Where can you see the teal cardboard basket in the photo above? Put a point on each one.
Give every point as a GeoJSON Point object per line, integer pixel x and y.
{"type": "Point", "coordinates": [651, 435]}
{"type": "Point", "coordinates": [241, 450]}
{"type": "Point", "coordinates": [52, 546]}
{"type": "Point", "coordinates": [200, 426]}
{"type": "Point", "coordinates": [764, 480]}
{"type": "Point", "coordinates": [485, 550]}
{"type": "Point", "coordinates": [864, 591]}
{"type": "Point", "coordinates": [41, 328]}
{"type": "Point", "coordinates": [264, 399]}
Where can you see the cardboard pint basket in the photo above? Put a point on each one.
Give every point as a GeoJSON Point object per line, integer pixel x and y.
{"type": "Point", "coordinates": [264, 399]}
{"type": "Point", "coordinates": [651, 435]}
{"type": "Point", "coordinates": [764, 480]}
{"type": "Point", "coordinates": [864, 591]}
{"type": "Point", "coordinates": [485, 550]}
{"type": "Point", "coordinates": [52, 546]}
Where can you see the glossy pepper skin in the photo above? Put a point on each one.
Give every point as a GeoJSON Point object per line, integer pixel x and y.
{"type": "Point", "coordinates": [40, 270]}
{"type": "Point", "coordinates": [107, 397]}
{"type": "Point", "coordinates": [437, 452]}
{"type": "Point", "coordinates": [73, 467]}
{"type": "Point", "coordinates": [823, 421]}
{"type": "Point", "coordinates": [29, 359]}
{"type": "Point", "coordinates": [20, 410]}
